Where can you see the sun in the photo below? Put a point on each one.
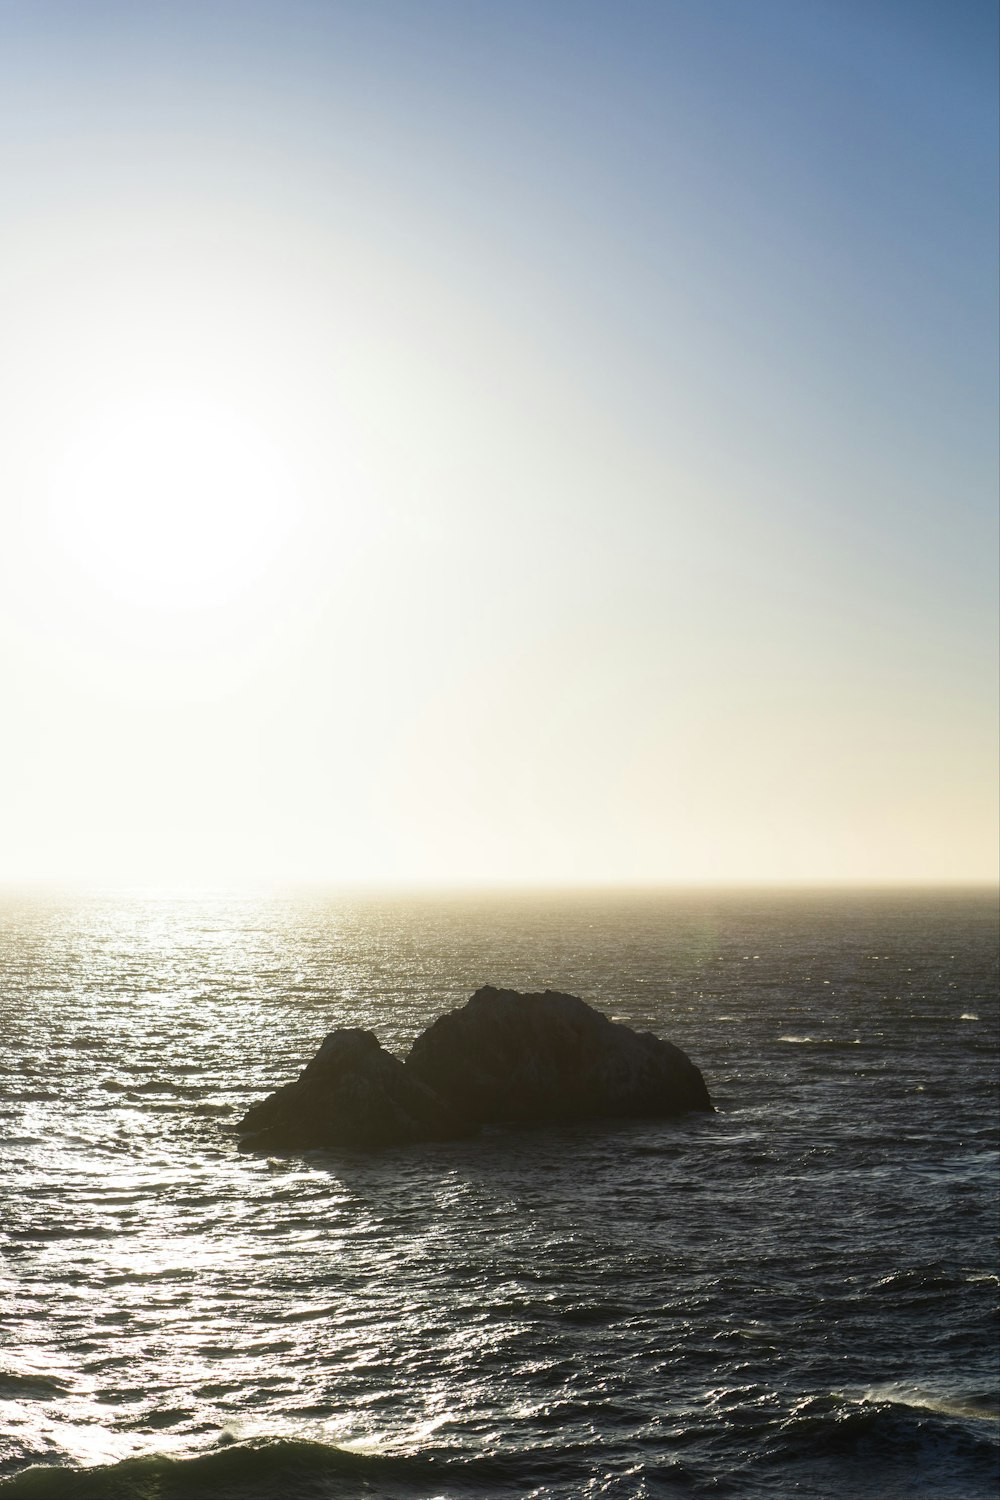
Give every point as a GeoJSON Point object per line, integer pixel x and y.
{"type": "Point", "coordinates": [171, 501]}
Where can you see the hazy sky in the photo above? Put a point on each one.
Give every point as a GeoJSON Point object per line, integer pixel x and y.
{"type": "Point", "coordinates": [498, 439]}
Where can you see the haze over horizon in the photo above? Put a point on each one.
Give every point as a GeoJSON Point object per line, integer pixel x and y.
{"type": "Point", "coordinates": [531, 443]}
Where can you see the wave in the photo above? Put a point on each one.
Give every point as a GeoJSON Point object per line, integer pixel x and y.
{"type": "Point", "coordinates": [819, 1041]}
{"type": "Point", "coordinates": [20, 1385]}
{"type": "Point", "coordinates": [133, 1090]}
{"type": "Point", "coordinates": [283, 1468]}
{"type": "Point", "coordinates": [871, 1441]}
{"type": "Point", "coordinates": [915, 1284]}
{"type": "Point", "coordinates": [890, 1426]}
{"type": "Point", "coordinates": [981, 1406]}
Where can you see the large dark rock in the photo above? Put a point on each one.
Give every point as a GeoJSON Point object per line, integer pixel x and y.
{"type": "Point", "coordinates": [505, 1056]}
{"type": "Point", "coordinates": [352, 1093]}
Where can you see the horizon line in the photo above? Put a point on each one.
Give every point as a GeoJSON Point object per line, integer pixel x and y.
{"type": "Point", "coordinates": [302, 888]}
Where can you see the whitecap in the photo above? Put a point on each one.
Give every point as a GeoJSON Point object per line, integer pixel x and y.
{"type": "Point", "coordinates": [977, 1407]}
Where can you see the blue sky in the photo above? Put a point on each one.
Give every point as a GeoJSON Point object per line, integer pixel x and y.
{"type": "Point", "coordinates": [629, 375]}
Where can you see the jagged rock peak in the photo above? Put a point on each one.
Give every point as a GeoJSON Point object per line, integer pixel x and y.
{"type": "Point", "coordinates": [351, 1093]}
{"type": "Point", "coordinates": [550, 1056]}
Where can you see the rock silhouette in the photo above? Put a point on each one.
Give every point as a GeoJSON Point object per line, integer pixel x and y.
{"type": "Point", "coordinates": [503, 1057]}
{"type": "Point", "coordinates": [352, 1093]}
{"type": "Point", "coordinates": [510, 1057]}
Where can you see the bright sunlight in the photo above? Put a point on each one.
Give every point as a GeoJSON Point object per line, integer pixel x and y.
{"type": "Point", "coordinates": [171, 501]}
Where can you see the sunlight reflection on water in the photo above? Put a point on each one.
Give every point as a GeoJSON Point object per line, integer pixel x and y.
{"type": "Point", "coordinates": [572, 1297]}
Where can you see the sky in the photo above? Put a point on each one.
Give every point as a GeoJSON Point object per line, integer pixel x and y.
{"type": "Point", "coordinates": [532, 441]}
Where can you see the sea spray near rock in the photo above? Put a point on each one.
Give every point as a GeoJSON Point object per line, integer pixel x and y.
{"type": "Point", "coordinates": [503, 1057]}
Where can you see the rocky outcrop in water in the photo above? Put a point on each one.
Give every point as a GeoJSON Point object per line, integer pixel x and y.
{"type": "Point", "coordinates": [503, 1057]}
{"type": "Point", "coordinates": [352, 1093]}
{"type": "Point", "coordinates": [506, 1057]}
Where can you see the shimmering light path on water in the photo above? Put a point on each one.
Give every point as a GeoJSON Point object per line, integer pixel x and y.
{"type": "Point", "coordinates": [799, 1292]}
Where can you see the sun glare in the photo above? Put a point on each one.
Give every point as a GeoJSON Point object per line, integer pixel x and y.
{"type": "Point", "coordinates": [171, 502]}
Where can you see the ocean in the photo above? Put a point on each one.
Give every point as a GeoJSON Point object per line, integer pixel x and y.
{"type": "Point", "coordinates": [794, 1296]}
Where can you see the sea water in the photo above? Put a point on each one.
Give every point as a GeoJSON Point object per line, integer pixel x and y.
{"type": "Point", "coordinates": [796, 1295]}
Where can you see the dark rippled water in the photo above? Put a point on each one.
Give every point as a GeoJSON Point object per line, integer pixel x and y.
{"type": "Point", "coordinates": [795, 1296]}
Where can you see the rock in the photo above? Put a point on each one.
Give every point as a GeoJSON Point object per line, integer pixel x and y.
{"type": "Point", "coordinates": [352, 1093]}
{"type": "Point", "coordinates": [505, 1056]}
